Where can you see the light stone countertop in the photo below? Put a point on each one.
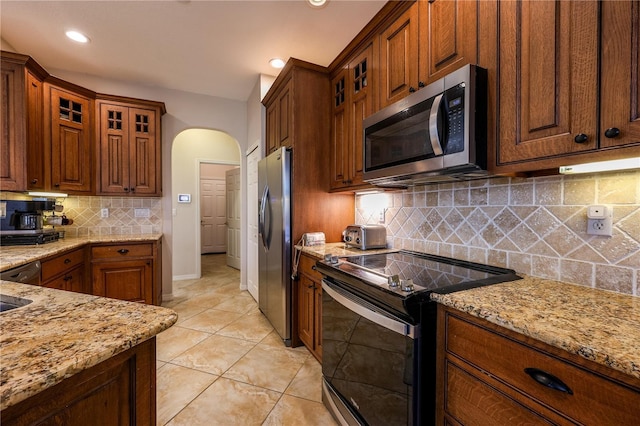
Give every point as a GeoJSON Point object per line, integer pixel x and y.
{"type": "Point", "coordinates": [599, 325]}
{"type": "Point", "coordinates": [62, 333]}
{"type": "Point", "coordinates": [338, 249]}
{"type": "Point", "coordinates": [13, 256]}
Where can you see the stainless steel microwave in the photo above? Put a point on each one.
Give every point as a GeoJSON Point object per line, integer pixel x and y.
{"type": "Point", "coordinates": [436, 134]}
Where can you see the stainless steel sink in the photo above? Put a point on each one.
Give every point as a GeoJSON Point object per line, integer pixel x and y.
{"type": "Point", "coordinates": [8, 303]}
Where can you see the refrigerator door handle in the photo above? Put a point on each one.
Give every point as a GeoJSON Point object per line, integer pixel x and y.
{"type": "Point", "coordinates": [261, 228]}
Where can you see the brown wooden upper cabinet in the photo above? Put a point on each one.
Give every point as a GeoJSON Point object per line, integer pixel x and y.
{"type": "Point", "coordinates": [557, 104]}
{"type": "Point", "coordinates": [22, 124]}
{"type": "Point", "coordinates": [68, 126]}
{"type": "Point", "coordinates": [279, 119]}
{"type": "Point", "coordinates": [352, 103]}
{"type": "Point", "coordinates": [13, 176]}
{"type": "Point", "coordinates": [429, 40]}
{"type": "Point", "coordinates": [129, 148]}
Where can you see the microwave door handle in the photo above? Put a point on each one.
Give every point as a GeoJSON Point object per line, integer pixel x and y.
{"type": "Point", "coordinates": [433, 125]}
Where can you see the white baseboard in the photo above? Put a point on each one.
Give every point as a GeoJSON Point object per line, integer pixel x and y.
{"type": "Point", "coordinates": [185, 277]}
{"type": "Point", "coordinates": [167, 297]}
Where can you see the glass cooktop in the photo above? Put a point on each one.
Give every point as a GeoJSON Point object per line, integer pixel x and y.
{"type": "Point", "coordinates": [428, 272]}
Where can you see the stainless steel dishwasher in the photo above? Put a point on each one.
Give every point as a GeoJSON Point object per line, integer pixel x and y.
{"type": "Point", "coordinates": [26, 274]}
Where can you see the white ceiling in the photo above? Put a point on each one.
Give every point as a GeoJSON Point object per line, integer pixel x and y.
{"type": "Point", "coordinates": [213, 47]}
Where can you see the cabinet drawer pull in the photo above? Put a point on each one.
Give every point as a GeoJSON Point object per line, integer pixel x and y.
{"type": "Point", "coordinates": [67, 261]}
{"type": "Point", "coordinates": [612, 132]}
{"type": "Point", "coordinates": [581, 138]}
{"type": "Point", "coordinates": [548, 380]}
{"type": "Point", "coordinates": [123, 251]}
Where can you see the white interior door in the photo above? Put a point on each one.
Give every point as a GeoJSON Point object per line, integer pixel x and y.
{"type": "Point", "coordinates": [252, 222]}
{"type": "Point", "coordinates": [233, 217]}
{"type": "Point", "coordinates": [213, 218]}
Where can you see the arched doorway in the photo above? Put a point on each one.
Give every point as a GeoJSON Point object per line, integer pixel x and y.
{"type": "Point", "coordinates": [191, 148]}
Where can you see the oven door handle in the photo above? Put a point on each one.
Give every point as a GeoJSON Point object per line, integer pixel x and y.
{"type": "Point", "coordinates": [366, 310]}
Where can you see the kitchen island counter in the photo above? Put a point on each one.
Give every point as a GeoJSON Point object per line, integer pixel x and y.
{"type": "Point", "coordinates": [61, 334]}
{"type": "Point", "coordinates": [598, 325]}
{"type": "Point", "coordinates": [13, 256]}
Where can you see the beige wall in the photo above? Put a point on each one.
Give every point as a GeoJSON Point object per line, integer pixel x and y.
{"type": "Point", "coordinates": [536, 226]}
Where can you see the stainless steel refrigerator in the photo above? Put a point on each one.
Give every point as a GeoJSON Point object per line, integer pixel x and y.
{"type": "Point", "coordinates": [274, 229]}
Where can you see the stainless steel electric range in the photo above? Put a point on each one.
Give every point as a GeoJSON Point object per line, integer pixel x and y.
{"type": "Point", "coordinates": [379, 332]}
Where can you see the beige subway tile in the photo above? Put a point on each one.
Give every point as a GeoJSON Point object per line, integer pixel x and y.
{"type": "Point", "coordinates": [498, 195]}
{"type": "Point", "coordinates": [548, 193]}
{"type": "Point", "coordinates": [614, 278]}
{"type": "Point", "coordinates": [579, 191]}
{"type": "Point", "coordinates": [577, 272]}
{"type": "Point", "coordinates": [545, 267]}
{"type": "Point", "coordinates": [519, 262]}
{"type": "Point", "coordinates": [521, 194]}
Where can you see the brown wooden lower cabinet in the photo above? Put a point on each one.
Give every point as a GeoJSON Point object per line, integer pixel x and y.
{"type": "Point", "coordinates": [66, 271]}
{"type": "Point", "coordinates": [118, 391]}
{"type": "Point", "coordinates": [486, 377]}
{"type": "Point", "coordinates": [125, 271]}
{"type": "Point", "coordinates": [309, 306]}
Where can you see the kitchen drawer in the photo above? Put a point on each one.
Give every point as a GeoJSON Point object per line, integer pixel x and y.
{"type": "Point", "coordinates": [71, 280]}
{"type": "Point", "coordinates": [596, 399]}
{"type": "Point", "coordinates": [306, 266]}
{"type": "Point", "coordinates": [471, 401]}
{"type": "Point", "coordinates": [60, 263]}
{"type": "Point", "coordinates": [122, 251]}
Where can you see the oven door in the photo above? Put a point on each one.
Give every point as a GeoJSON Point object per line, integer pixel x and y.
{"type": "Point", "coordinates": [368, 360]}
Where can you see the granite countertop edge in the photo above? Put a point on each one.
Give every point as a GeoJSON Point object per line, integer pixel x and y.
{"type": "Point", "coordinates": [14, 256]}
{"type": "Point", "coordinates": [62, 333]}
{"type": "Point", "coordinates": [599, 325]}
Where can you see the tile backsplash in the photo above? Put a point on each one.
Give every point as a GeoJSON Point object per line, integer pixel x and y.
{"type": "Point", "coordinates": [536, 226]}
{"type": "Point", "coordinates": [87, 218]}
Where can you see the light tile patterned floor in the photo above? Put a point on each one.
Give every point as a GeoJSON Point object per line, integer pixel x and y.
{"type": "Point", "coordinates": [223, 364]}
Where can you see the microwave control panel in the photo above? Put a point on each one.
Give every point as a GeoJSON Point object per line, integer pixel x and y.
{"type": "Point", "coordinates": [454, 107]}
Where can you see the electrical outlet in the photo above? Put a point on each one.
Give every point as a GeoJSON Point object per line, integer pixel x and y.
{"type": "Point", "coordinates": [104, 212]}
{"type": "Point", "coordinates": [141, 212]}
{"type": "Point", "coordinates": [600, 220]}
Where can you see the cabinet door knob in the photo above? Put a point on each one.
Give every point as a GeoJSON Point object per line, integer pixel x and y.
{"type": "Point", "coordinates": [126, 189]}
{"type": "Point", "coordinates": [421, 83]}
{"type": "Point", "coordinates": [581, 138]}
{"type": "Point", "coordinates": [34, 181]}
{"type": "Point", "coordinates": [123, 251]}
{"type": "Point", "coordinates": [56, 185]}
{"type": "Point", "coordinates": [548, 380]}
{"type": "Point", "coordinates": [412, 89]}
{"type": "Point", "coordinates": [612, 132]}
{"type": "Point", "coordinates": [67, 261]}
{"type": "Point", "coordinates": [133, 189]}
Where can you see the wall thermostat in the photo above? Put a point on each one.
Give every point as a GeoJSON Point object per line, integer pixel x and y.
{"type": "Point", "coordinates": [184, 198]}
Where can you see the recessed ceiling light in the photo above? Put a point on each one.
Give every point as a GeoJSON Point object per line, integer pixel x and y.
{"type": "Point", "coordinates": [77, 36]}
{"type": "Point", "coordinates": [317, 3]}
{"type": "Point", "coordinates": [277, 63]}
